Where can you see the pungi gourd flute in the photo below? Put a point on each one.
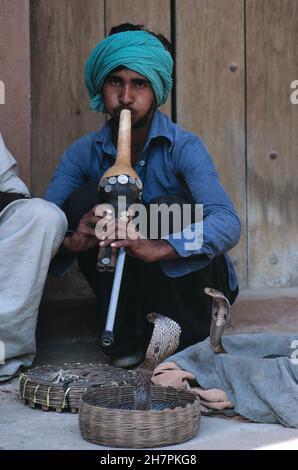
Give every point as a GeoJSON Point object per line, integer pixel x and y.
{"type": "Point", "coordinates": [120, 186]}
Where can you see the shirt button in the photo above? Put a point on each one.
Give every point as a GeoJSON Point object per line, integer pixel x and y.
{"type": "Point", "coordinates": [142, 163]}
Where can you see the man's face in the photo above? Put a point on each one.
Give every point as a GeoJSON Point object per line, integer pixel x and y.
{"type": "Point", "coordinates": [125, 89]}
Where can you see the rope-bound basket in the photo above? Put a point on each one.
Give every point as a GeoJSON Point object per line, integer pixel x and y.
{"type": "Point", "coordinates": [60, 388]}
{"type": "Point", "coordinates": [107, 417]}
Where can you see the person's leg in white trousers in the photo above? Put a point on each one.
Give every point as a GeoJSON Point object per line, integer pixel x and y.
{"type": "Point", "coordinates": [31, 232]}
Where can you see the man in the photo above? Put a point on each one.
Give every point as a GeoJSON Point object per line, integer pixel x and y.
{"type": "Point", "coordinates": [31, 231]}
{"type": "Point", "coordinates": [132, 69]}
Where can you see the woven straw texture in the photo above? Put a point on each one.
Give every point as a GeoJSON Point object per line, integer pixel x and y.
{"type": "Point", "coordinates": [107, 417]}
{"type": "Point", "coordinates": [60, 389]}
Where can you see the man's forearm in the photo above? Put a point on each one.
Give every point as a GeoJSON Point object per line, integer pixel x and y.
{"type": "Point", "coordinates": [164, 250]}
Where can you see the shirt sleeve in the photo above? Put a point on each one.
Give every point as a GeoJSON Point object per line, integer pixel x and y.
{"type": "Point", "coordinates": [220, 228]}
{"type": "Point", "coordinates": [69, 175]}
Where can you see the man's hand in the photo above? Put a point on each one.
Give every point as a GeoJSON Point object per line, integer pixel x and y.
{"type": "Point", "coordinates": [119, 234]}
{"type": "Point", "coordinates": [84, 237]}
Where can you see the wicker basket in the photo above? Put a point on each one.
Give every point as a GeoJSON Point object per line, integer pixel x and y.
{"type": "Point", "coordinates": [106, 417]}
{"type": "Point", "coordinates": [41, 386]}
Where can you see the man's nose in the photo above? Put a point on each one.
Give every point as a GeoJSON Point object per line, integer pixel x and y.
{"type": "Point", "coordinates": [126, 96]}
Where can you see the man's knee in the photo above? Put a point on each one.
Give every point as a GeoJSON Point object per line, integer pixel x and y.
{"type": "Point", "coordinates": [34, 213]}
{"type": "Point", "coordinates": [47, 214]}
{"type": "Point", "coordinates": [49, 219]}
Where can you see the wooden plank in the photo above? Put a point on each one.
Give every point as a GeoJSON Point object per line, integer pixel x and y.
{"type": "Point", "coordinates": [210, 93]}
{"type": "Point", "coordinates": [155, 15]}
{"type": "Point", "coordinates": [15, 75]}
{"type": "Point", "coordinates": [63, 33]}
{"type": "Point", "coordinates": [272, 57]}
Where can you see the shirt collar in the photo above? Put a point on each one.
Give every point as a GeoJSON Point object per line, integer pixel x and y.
{"type": "Point", "coordinates": [104, 137]}
{"type": "Point", "coordinates": [160, 127]}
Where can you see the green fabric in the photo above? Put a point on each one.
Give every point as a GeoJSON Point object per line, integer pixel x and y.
{"type": "Point", "coordinates": [139, 51]}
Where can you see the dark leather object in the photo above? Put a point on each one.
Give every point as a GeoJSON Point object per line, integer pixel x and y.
{"type": "Point", "coordinates": [7, 198]}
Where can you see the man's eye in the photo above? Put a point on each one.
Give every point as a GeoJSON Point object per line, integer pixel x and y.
{"type": "Point", "coordinates": [114, 81]}
{"type": "Point", "coordinates": [140, 84]}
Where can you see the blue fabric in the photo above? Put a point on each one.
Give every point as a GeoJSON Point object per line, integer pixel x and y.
{"type": "Point", "coordinates": [173, 162]}
{"type": "Point", "coordinates": [136, 50]}
{"type": "Point", "coordinates": [259, 374]}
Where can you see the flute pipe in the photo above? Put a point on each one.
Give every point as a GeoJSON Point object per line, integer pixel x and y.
{"type": "Point", "coordinates": [124, 138]}
{"type": "Point", "coordinates": [115, 290]}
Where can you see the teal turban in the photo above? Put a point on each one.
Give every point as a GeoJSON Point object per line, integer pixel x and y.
{"type": "Point", "coordinates": [139, 51]}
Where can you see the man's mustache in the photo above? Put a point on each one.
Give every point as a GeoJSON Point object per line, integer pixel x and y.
{"type": "Point", "coordinates": [117, 111]}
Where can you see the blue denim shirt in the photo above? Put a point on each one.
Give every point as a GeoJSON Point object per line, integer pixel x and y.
{"type": "Point", "coordinates": [173, 162]}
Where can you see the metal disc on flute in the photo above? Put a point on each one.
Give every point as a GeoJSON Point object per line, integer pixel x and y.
{"type": "Point", "coordinates": [104, 181]}
{"type": "Point", "coordinates": [123, 179]}
{"type": "Point", "coordinates": [112, 180]}
{"type": "Point", "coordinates": [108, 188]}
{"type": "Point", "coordinates": [139, 183]}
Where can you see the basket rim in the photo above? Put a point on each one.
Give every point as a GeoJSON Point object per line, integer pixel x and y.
{"type": "Point", "coordinates": [194, 403]}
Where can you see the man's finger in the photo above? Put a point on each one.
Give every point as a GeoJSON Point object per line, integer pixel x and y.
{"type": "Point", "coordinates": [86, 230]}
{"type": "Point", "coordinates": [103, 209]}
{"type": "Point", "coordinates": [91, 220]}
{"type": "Point", "coordinates": [119, 243]}
{"type": "Point", "coordinates": [106, 242]}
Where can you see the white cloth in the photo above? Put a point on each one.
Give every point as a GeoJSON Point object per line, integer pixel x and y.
{"type": "Point", "coordinates": [31, 231]}
{"type": "Point", "coordinates": [9, 180]}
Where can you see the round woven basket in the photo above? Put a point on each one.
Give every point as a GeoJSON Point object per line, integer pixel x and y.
{"type": "Point", "coordinates": [60, 388]}
{"type": "Point", "coordinates": [107, 417]}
